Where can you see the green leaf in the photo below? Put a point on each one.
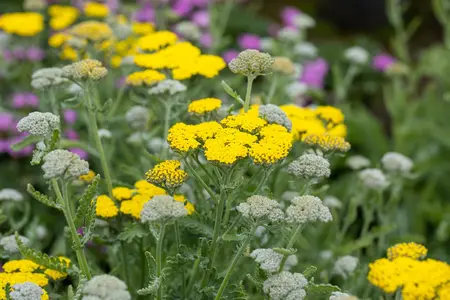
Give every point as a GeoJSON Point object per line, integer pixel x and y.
{"type": "Point", "coordinates": [40, 258]}
{"type": "Point", "coordinates": [256, 282]}
{"type": "Point", "coordinates": [31, 139]}
{"type": "Point", "coordinates": [319, 291]}
{"type": "Point", "coordinates": [309, 272]}
{"type": "Point", "coordinates": [232, 92]}
{"type": "Point", "coordinates": [79, 293]}
{"type": "Point", "coordinates": [285, 251]}
{"type": "Point", "coordinates": [43, 198]}
{"type": "Point", "coordinates": [106, 106]}
{"type": "Point", "coordinates": [232, 237]}
{"type": "Point", "coordinates": [153, 285]}
{"type": "Point", "coordinates": [151, 288]}
{"type": "Point", "coordinates": [53, 143]}
{"type": "Point", "coordinates": [195, 226]}
{"type": "Point", "coordinates": [85, 207]}
{"type": "Point", "coordinates": [131, 232]}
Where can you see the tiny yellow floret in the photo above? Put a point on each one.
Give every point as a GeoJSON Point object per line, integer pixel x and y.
{"type": "Point", "coordinates": [105, 207]}
{"type": "Point", "coordinates": [203, 106]}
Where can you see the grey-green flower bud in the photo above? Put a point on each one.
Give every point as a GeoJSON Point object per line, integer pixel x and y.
{"type": "Point", "coordinates": [26, 291]}
{"type": "Point", "coordinates": [307, 209]}
{"type": "Point", "coordinates": [63, 163]}
{"type": "Point", "coordinates": [310, 166]}
{"type": "Point", "coordinates": [252, 63]}
{"type": "Point", "coordinates": [10, 245]}
{"type": "Point", "coordinates": [270, 260]}
{"type": "Point", "coordinates": [259, 207]}
{"type": "Point", "coordinates": [105, 287]}
{"type": "Point", "coordinates": [162, 208]}
{"type": "Point", "coordinates": [188, 30]}
{"type": "Point", "coordinates": [397, 163]}
{"type": "Point", "coordinates": [357, 162]}
{"type": "Point", "coordinates": [345, 265]}
{"type": "Point", "coordinates": [10, 194]}
{"type": "Point", "coordinates": [138, 117]}
{"type": "Point", "coordinates": [47, 77]}
{"type": "Point", "coordinates": [40, 124]}
{"type": "Point", "coordinates": [168, 86]}
{"type": "Point", "coordinates": [373, 179]}
{"type": "Point", "coordinates": [274, 115]}
{"type": "Point", "coordinates": [286, 286]}
{"type": "Point", "coordinates": [342, 296]}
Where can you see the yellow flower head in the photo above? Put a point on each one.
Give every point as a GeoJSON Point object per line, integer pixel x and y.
{"type": "Point", "coordinates": [330, 114]}
{"type": "Point", "coordinates": [412, 250]}
{"type": "Point", "coordinates": [274, 145]}
{"type": "Point", "coordinates": [85, 69]}
{"type": "Point", "coordinates": [88, 177]}
{"type": "Point", "coordinates": [167, 174]}
{"type": "Point", "coordinates": [96, 10]}
{"type": "Point", "coordinates": [147, 77]}
{"type": "Point", "coordinates": [62, 16]}
{"type": "Point", "coordinates": [182, 137]}
{"type": "Point", "coordinates": [58, 39]}
{"type": "Point", "coordinates": [22, 23]}
{"type": "Point", "coordinates": [245, 121]}
{"type": "Point", "coordinates": [188, 205]}
{"type": "Point", "coordinates": [57, 275]}
{"type": "Point", "coordinates": [327, 142]}
{"type": "Point", "coordinates": [122, 193]}
{"type": "Point", "coordinates": [21, 277]}
{"type": "Point", "coordinates": [157, 40]}
{"type": "Point", "coordinates": [142, 28]}
{"type": "Point", "coordinates": [105, 207]}
{"type": "Point", "coordinates": [92, 30]}
{"type": "Point", "coordinates": [203, 106]}
{"type": "Point", "coordinates": [21, 265]}
{"type": "Point", "coordinates": [209, 66]}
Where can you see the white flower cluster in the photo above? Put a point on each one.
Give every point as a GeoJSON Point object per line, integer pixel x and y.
{"type": "Point", "coordinates": [306, 49]}
{"type": "Point", "coordinates": [357, 162]}
{"type": "Point", "coordinates": [345, 265]}
{"type": "Point", "coordinates": [373, 179]}
{"type": "Point", "coordinates": [260, 207]}
{"type": "Point", "coordinates": [10, 194]}
{"type": "Point", "coordinates": [289, 34]}
{"type": "Point", "coordinates": [306, 209]}
{"type": "Point", "coordinates": [39, 124]}
{"type": "Point", "coordinates": [188, 30]}
{"type": "Point", "coordinates": [26, 291]}
{"type": "Point", "coordinates": [304, 21]}
{"type": "Point", "coordinates": [168, 86]}
{"type": "Point", "coordinates": [138, 117]}
{"type": "Point", "coordinates": [357, 55]}
{"type": "Point", "coordinates": [162, 208]}
{"type": "Point", "coordinates": [296, 89]}
{"type": "Point", "coordinates": [105, 287]}
{"type": "Point", "coordinates": [397, 163]}
{"type": "Point", "coordinates": [269, 260]}
{"type": "Point", "coordinates": [342, 296]}
{"type": "Point", "coordinates": [63, 163]}
{"type": "Point", "coordinates": [252, 63]}
{"type": "Point", "coordinates": [47, 77]}
{"type": "Point", "coordinates": [275, 115]}
{"type": "Point", "coordinates": [310, 166]}
{"type": "Point", "coordinates": [332, 202]}
{"type": "Point", "coordinates": [286, 286]}
{"type": "Point", "coordinates": [10, 245]}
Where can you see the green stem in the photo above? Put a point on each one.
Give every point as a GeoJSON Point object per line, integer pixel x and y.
{"type": "Point", "coordinates": [123, 255]}
{"type": "Point", "coordinates": [159, 295]}
{"type": "Point", "coordinates": [194, 271]}
{"type": "Point", "coordinates": [200, 180]}
{"type": "Point", "coordinates": [290, 245]}
{"type": "Point", "coordinates": [234, 262]}
{"type": "Point", "coordinates": [117, 102]}
{"type": "Point", "coordinates": [263, 181]}
{"type": "Point", "coordinates": [81, 258]}
{"type": "Point", "coordinates": [53, 103]}
{"type": "Point", "coordinates": [98, 143]}
{"type": "Point", "coordinates": [273, 88]}
{"type": "Point", "coordinates": [235, 222]}
{"type": "Point", "coordinates": [248, 96]}
{"type": "Point", "coordinates": [178, 242]}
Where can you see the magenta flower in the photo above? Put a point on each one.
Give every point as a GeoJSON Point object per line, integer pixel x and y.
{"type": "Point", "coordinates": [314, 73]}
{"type": "Point", "coordinates": [81, 153]}
{"type": "Point", "coordinates": [70, 116]}
{"type": "Point", "coordinates": [7, 122]}
{"type": "Point", "coordinates": [206, 40]}
{"type": "Point", "coordinates": [230, 55]}
{"type": "Point", "coordinates": [72, 135]}
{"type": "Point", "coordinates": [35, 54]}
{"type": "Point", "coordinates": [249, 41]}
{"type": "Point", "coordinates": [146, 14]}
{"type": "Point", "coordinates": [383, 61]}
{"type": "Point", "coordinates": [201, 18]}
{"type": "Point", "coordinates": [182, 8]}
{"type": "Point", "coordinates": [288, 15]}
{"type": "Point", "coordinates": [19, 54]}
{"type": "Point", "coordinates": [200, 3]}
{"type": "Point", "coordinates": [25, 100]}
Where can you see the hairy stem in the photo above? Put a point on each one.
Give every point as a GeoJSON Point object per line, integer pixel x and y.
{"type": "Point", "coordinates": [194, 270]}
{"type": "Point", "coordinates": [200, 180]}
{"type": "Point", "coordinates": [248, 96]}
{"type": "Point", "coordinates": [159, 295]}
{"type": "Point", "coordinates": [290, 245]}
{"type": "Point", "coordinates": [178, 242]}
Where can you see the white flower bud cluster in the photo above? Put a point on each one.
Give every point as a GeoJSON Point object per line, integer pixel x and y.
{"type": "Point", "coordinates": [286, 286]}
{"type": "Point", "coordinates": [373, 179]}
{"type": "Point", "coordinates": [357, 162]}
{"type": "Point", "coordinates": [260, 207]}
{"type": "Point", "coordinates": [304, 21]}
{"type": "Point", "coordinates": [306, 49]}
{"type": "Point", "coordinates": [104, 133]}
{"type": "Point", "coordinates": [162, 208]}
{"type": "Point", "coordinates": [252, 63]}
{"type": "Point", "coordinates": [26, 291]}
{"type": "Point", "coordinates": [10, 245]}
{"type": "Point", "coordinates": [296, 89]}
{"type": "Point", "coordinates": [47, 77]}
{"type": "Point", "coordinates": [332, 202]}
{"type": "Point", "coordinates": [138, 117]}
{"type": "Point", "coordinates": [310, 166]}
{"type": "Point", "coordinates": [270, 260]}
{"type": "Point", "coordinates": [357, 55]}
{"type": "Point", "coordinates": [275, 115]}
{"type": "Point", "coordinates": [85, 69]}
{"type": "Point", "coordinates": [168, 86]}
{"type": "Point", "coordinates": [267, 44]}
{"type": "Point", "coordinates": [289, 34]}
{"type": "Point", "coordinates": [63, 163]}
{"type": "Point", "coordinates": [397, 163]}
{"type": "Point", "coordinates": [342, 296]}
{"type": "Point", "coordinates": [105, 287]}
{"type": "Point", "coordinates": [40, 124]}
{"type": "Point", "coordinates": [188, 30]}
{"type": "Point", "coordinates": [10, 194]}
{"type": "Point", "coordinates": [306, 209]}
{"type": "Point", "coordinates": [345, 265]}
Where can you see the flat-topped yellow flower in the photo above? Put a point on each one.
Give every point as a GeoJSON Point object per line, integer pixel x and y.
{"type": "Point", "coordinates": [327, 142]}
{"type": "Point", "coordinates": [22, 23]}
{"type": "Point", "coordinates": [142, 28]}
{"type": "Point", "coordinates": [203, 106]}
{"type": "Point", "coordinates": [157, 40]}
{"type": "Point", "coordinates": [274, 145]}
{"type": "Point", "coordinates": [105, 207]}
{"type": "Point", "coordinates": [244, 121]}
{"type": "Point", "coordinates": [147, 77]}
{"type": "Point", "coordinates": [92, 30]}
{"type": "Point", "coordinates": [21, 265]}
{"type": "Point", "coordinates": [167, 174]}
{"type": "Point", "coordinates": [122, 193]}
{"type": "Point", "coordinates": [62, 16]}
{"type": "Point", "coordinates": [96, 10]}
{"type": "Point", "coordinates": [330, 114]}
{"type": "Point", "coordinates": [411, 250]}
{"type": "Point", "coordinates": [88, 177]}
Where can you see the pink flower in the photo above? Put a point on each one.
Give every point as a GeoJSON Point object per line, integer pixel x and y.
{"type": "Point", "coordinates": [146, 14]}
{"type": "Point", "coordinates": [182, 8]}
{"type": "Point", "coordinates": [314, 73]}
{"type": "Point", "coordinates": [70, 116]}
{"type": "Point", "coordinates": [201, 18]}
{"type": "Point", "coordinates": [6, 122]}
{"type": "Point", "coordinates": [230, 55]}
{"type": "Point", "coordinates": [206, 40]}
{"type": "Point", "coordinates": [35, 54]}
{"type": "Point", "coordinates": [81, 153]}
{"type": "Point", "coordinates": [249, 41]}
{"type": "Point", "coordinates": [72, 135]}
{"type": "Point", "coordinates": [288, 15]}
{"type": "Point", "coordinates": [25, 100]}
{"type": "Point", "coordinates": [383, 61]}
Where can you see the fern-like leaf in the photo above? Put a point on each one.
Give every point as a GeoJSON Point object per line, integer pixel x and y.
{"type": "Point", "coordinates": [40, 258]}
{"type": "Point", "coordinates": [309, 272]}
{"type": "Point", "coordinates": [151, 288]}
{"type": "Point", "coordinates": [321, 291]}
{"type": "Point", "coordinates": [85, 202]}
{"type": "Point", "coordinates": [79, 293]}
{"type": "Point", "coordinates": [43, 198]}
{"type": "Point", "coordinates": [196, 227]}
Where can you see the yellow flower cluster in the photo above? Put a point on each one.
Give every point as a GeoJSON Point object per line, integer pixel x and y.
{"type": "Point", "coordinates": [22, 23]}
{"type": "Point", "coordinates": [234, 138]}
{"type": "Point", "coordinates": [203, 106]}
{"type": "Point", "coordinates": [167, 174]}
{"type": "Point", "coordinates": [327, 142]}
{"type": "Point", "coordinates": [62, 16]}
{"type": "Point", "coordinates": [105, 207]}
{"type": "Point", "coordinates": [23, 270]}
{"type": "Point", "coordinates": [92, 30]}
{"type": "Point", "coordinates": [411, 250]}
{"type": "Point", "coordinates": [88, 177]}
{"type": "Point", "coordinates": [96, 10]}
{"type": "Point", "coordinates": [184, 59]}
{"type": "Point", "coordinates": [147, 77]}
{"type": "Point", "coordinates": [417, 279]}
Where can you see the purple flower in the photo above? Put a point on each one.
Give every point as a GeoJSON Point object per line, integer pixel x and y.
{"type": "Point", "coordinates": [182, 8]}
{"type": "Point", "coordinates": [201, 18]}
{"type": "Point", "coordinates": [273, 29]}
{"type": "Point", "coordinates": [249, 41]}
{"type": "Point", "coordinates": [24, 100]}
{"type": "Point", "coordinates": [4, 145]}
{"type": "Point", "coordinates": [83, 154]}
{"type": "Point", "coordinates": [383, 61]}
{"type": "Point", "coordinates": [206, 40]}
{"type": "Point", "coordinates": [200, 3]}
{"type": "Point", "coordinates": [19, 54]}
{"type": "Point", "coordinates": [230, 55]}
{"type": "Point", "coordinates": [146, 14]}
{"type": "Point", "coordinates": [113, 5]}
{"type": "Point", "coordinates": [6, 121]}
{"type": "Point", "coordinates": [72, 135]}
{"type": "Point", "coordinates": [32, 100]}
{"type": "Point", "coordinates": [35, 54]}
{"type": "Point", "coordinates": [314, 73]}
{"type": "Point", "coordinates": [70, 116]}
{"type": "Point", "coordinates": [288, 15]}
{"type": "Point", "coordinates": [8, 55]}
